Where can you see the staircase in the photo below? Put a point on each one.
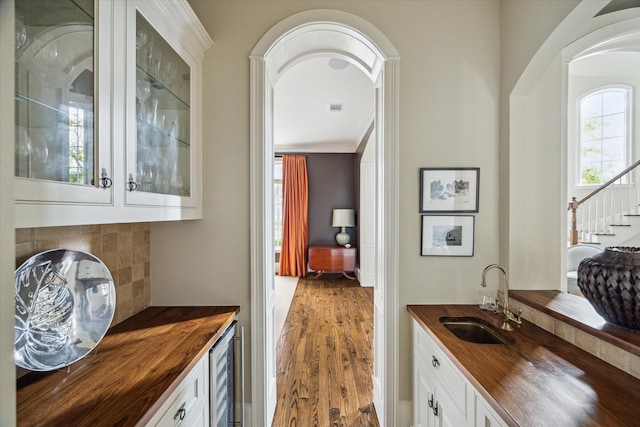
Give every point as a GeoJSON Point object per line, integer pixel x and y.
{"type": "Point", "coordinates": [620, 235]}
{"type": "Point", "coordinates": [609, 215]}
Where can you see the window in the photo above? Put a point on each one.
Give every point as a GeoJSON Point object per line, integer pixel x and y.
{"type": "Point", "coordinates": [277, 203]}
{"type": "Point", "coordinates": [80, 131]}
{"type": "Point", "coordinates": [76, 145]}
{"type": "Point", "coordinates": [604, 136]}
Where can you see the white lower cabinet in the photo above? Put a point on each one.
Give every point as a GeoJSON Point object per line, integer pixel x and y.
{"type": "Point", "coordinates": [442, 396]}
{"type": "Point", "coordinates": [485, 416]}
{"type": "Point", "coordinates": [188, 405]}
{"type": "Point", "coordinates": [432, 407]}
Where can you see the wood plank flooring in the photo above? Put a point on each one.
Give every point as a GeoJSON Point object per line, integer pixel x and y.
{"type": "Point", "coordinates": [325, 356]}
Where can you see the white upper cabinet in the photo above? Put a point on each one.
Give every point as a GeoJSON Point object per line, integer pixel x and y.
{"type": "Point", "coordinates": [163, 156]}
{"type": "Point", "coordinates": [108, 111]}
{"type": "Point", "coordinates": [61, 150]}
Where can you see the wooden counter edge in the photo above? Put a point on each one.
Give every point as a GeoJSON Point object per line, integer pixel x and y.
{"type": "Point", "coordinates": [174, 385]}
{"type": "Point", "coordinates": [180, 367]}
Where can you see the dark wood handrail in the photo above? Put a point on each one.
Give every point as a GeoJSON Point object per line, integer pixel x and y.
{"type": "Point", "coordinates": [603, 186]}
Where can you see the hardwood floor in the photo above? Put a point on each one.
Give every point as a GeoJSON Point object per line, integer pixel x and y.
{"type": "Point", "coordinates": [325, 356]}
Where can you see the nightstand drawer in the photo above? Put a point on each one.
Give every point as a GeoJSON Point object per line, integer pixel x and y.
{"type": "Point", "coordinates": [332, 258]}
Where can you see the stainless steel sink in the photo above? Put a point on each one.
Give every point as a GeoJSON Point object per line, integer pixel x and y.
{"type": "Point", "coordinates": [473, 330]}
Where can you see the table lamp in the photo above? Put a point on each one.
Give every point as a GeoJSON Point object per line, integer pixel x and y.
{"type": "Point", "coordinates": [343, 218]}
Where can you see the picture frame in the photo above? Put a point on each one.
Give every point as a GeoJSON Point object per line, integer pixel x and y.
{"type": "Point", "coordinates": [447, 235]}
{"type": "Point", "coordinates": [449, 190]}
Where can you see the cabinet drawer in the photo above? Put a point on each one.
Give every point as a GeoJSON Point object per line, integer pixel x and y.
{"type": "Point", "coordinates": [189, 397]}
{"type": "Point", "coordinates": [442, 369]}
{"type": "Point", "coordinates": [332, 258]}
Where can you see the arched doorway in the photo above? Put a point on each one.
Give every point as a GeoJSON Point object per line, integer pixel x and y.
{"type": "Point", "coordinates": [304, 35]}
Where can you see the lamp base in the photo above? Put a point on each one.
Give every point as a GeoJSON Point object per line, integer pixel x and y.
{"type": "Point", "coordinates": [343, 238]}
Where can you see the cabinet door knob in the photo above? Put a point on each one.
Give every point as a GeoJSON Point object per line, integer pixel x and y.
{"type": "Point", "coordinates": [132, 185]}
{"type": "Point", "coordinates": [435, 362]}
{"type": "Point", "coordinates": [435, 409]}
{"type": "Point", "coordinates": [430, 401]}
{"type": "Point", "coordinates": [105, 181]}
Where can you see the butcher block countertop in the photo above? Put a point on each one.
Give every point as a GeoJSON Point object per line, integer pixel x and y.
{"type": "Point", "coordinates": [538, 379]}
{"type": "Point", "coordinates": [138, 364]}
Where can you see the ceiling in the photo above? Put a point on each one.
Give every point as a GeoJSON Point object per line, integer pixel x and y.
{"type": "Point", "coordinates": [618, 64]}
{"type": "Point", "coordinates": [303, 121]}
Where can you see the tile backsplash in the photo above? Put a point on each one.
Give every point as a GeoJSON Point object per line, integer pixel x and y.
{"type": "Point", "coordinates": [124, 249]}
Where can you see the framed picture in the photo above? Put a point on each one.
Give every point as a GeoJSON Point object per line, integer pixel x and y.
{"type": "Point", "coordinates": [449, 190]}
{"type": "Point", "coordinates": [447, 235]}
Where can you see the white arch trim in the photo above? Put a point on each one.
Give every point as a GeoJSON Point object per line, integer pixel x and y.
{"type": "Point", "coordinates": [312, 33]}
{"type": "Point", "coordinates": [622, 36]}
{"type": "Point", "coordinates": [582, 13]}
{"type": "Point", "coordinates": [363, 32]}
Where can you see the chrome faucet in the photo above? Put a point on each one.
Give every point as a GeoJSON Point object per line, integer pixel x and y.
{"type": "Point", "coordinates": [505, 312]}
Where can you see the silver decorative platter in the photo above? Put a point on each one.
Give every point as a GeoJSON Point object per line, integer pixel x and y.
{"type": "Point", "coordinates": [65, 301]}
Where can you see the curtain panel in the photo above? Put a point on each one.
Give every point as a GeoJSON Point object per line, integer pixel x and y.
{"type": "Point", "coordinates": [295, 221]}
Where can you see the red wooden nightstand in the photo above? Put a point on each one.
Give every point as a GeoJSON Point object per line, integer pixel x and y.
{"type": "Point", "coordinates": [332, 258]}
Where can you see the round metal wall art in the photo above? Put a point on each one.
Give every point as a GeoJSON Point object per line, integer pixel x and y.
{"type": "Point", "coordinates": [65, 302]}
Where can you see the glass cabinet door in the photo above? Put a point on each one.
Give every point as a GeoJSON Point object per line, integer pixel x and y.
{"type": "Point", "coordinates": [163, 114]}
{"type": "Point", "coordinates": [54, 101]}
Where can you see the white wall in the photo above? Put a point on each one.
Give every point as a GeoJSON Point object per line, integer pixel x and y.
{"type": "Point", "coordinates": [525, 26]}
{"type": "Point", "coordinates": [536, 180]}
{"type": "Point", "coordinates": [450, 79]}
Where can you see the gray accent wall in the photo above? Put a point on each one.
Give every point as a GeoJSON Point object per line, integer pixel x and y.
{"type": "Point", "coordinates": [332, 185]}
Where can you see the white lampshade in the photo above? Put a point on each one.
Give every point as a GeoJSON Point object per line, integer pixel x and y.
{"type": "Point", "coordinates": [343, 218]}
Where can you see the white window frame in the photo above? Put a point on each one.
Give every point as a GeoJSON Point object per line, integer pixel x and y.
{"type": "Point", "coordinates": [628, 141]}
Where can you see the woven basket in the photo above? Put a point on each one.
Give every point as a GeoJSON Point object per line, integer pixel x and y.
{"type": "Point", "coordinates": [610, 281]}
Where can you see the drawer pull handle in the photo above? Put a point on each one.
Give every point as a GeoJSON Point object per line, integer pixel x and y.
{"type": "Point", "coordinates": [435, 362]}
{"type": "Point", "coordinates": [181, 412]}
{"type": "Point", "coordinates": [433, 405]}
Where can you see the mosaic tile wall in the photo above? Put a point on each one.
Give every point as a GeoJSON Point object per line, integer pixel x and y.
{"type": "Point", "coordinates": [124, 249]}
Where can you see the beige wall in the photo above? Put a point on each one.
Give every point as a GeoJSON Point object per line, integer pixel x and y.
{"type": "Point", "coordinates": [533, 124]}
{"type": "Point", "coordinates": [449, 92]}
{"type": "Point", "coordinates": [454, 69]}
{"type": "Point", "coordinates": [459, 59]}
{"type": "Point", "coordinates": [524, 27]}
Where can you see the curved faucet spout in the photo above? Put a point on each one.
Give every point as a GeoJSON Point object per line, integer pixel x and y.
{"type": "Point", "coordinates": [506, 313]}
{"type": "Point", "coordinates": [486, 270]}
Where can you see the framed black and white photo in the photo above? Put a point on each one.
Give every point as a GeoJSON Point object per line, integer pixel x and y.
{"type": "Point", "coordinates": [449, 190]}
{"type": "Point", "coordinates": [447, 235]}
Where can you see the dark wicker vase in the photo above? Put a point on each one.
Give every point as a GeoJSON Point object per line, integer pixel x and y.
{"type": "Point", "coordinates": [611, 283]}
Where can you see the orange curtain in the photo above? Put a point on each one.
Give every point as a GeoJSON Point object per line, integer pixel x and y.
{"type": "Point", "coordinates": [295, 211]}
